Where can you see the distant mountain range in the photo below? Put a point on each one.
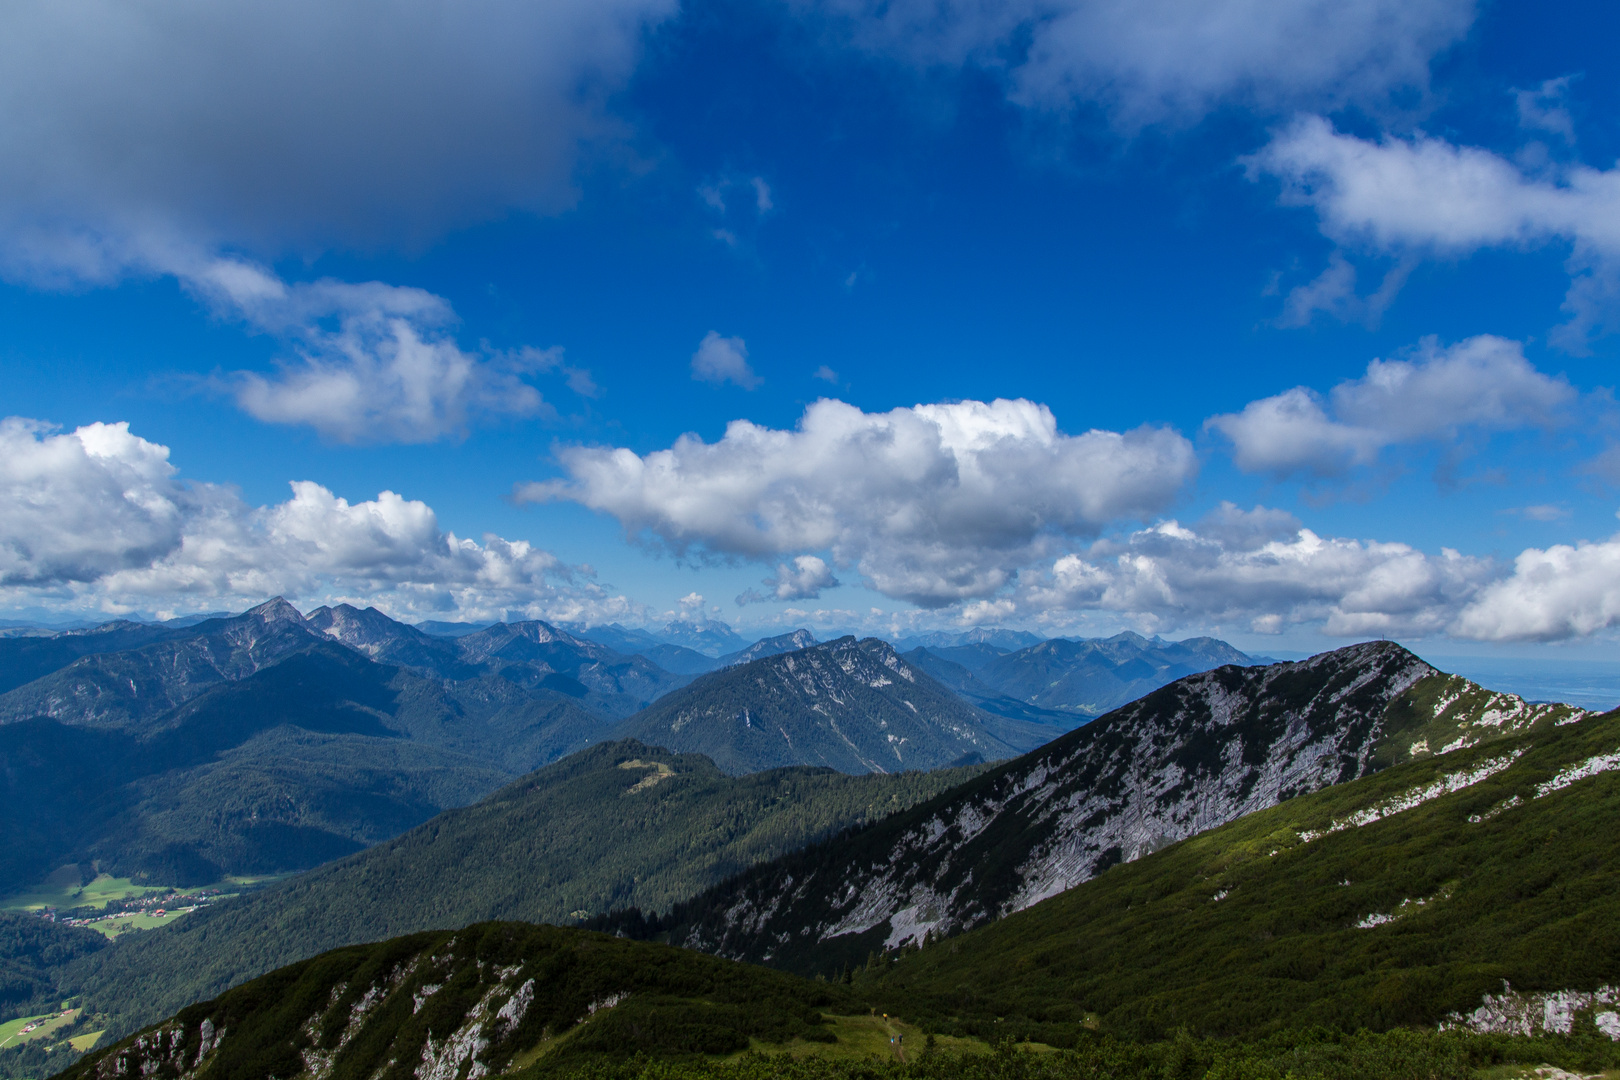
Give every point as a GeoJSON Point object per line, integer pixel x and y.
{"type": "Point", "coordinates": [1081, 679]}
{"type": "Point", "coordinates": [271, 741]}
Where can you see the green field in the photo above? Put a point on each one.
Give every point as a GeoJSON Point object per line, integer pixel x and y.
{"type": "Point", "coordinates": [12, 1034]}
{"type": "Point", "coordinates": [98, 893]}
{"type": "Point", "coordinates": [106, 889]}
{"type": "Point", "coordinates": [141, 921]}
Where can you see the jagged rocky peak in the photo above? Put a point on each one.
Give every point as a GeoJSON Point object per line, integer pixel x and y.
{"type": "Point", "coordinates": [1202, 751]}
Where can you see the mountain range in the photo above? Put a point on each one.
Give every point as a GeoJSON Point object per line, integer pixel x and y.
{"type": "Point", "coordinates": [1196, 754]}
{"type": "Point", "coordinates": [1411, 851]}
{"type": "Point", "coordinates": [273, 741]}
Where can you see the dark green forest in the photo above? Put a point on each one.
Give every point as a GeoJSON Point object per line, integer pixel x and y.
{"type": "Point", "coordinates": [615, 826]}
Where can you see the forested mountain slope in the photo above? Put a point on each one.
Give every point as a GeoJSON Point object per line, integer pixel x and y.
{"type": "Point", "coordinates": [614, 826]}
{"type": "Point", "coordinates": [488, 999]}
{"type": "Point", "coordinates": [854, 706]}
{"type": "Point", "coordinates": [960, 681]}
{"type": "Point", "coordinates": [1200, 752]}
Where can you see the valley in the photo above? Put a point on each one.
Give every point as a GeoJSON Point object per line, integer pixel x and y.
{"type": "Point", "coordinates": [936, 855]}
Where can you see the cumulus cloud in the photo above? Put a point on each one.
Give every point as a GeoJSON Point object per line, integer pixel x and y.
{"type": "Point", "coordinates": [1483, 382]}
{"type": "Point", "coordinates": [802, 579]}
{"type": "Point", "coordinates": [98, 518]}
{"type": "Point", "coordinates": [77, 507]}
{"type": "Point", "coordinates": [724, 360]}
{"type": "Point", "coordinates": [1259, 570]}
{"type": "Point", "coordinates": [1152, 60]}
{"type": "Point", "coordinates": [933, 504]}
{"type": "Point", "coordinates": [390, 371]}
{"type": "Point", "coordinates": [1561, 592]}
{"type": "Point", "coordinates": [1429, 197]}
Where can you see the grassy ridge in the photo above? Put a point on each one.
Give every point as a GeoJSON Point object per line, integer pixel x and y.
{"type": "Point", "coordinates": [1253, 927]}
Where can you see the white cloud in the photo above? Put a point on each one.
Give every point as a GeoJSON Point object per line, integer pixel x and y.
{"type": "Point", "coordinates": [79, 506]}
{"type": "Point", "coordinates": [825, 374]}
{"type": "Point", "coordinates": [97, 519]}
{"type": "Point", "coordinates": [1259, 570]}
{"type": "Point", "coordinates": [801, 579]}
{"type": "Point", "coordinates": [374, 362]}
{"type": "Point", "coordinates": [1334, 292]}
{"type": "Point", "coordinates": [933, 504]}
{"type": "Point", "coordinates": [1484, 382]}
{"type": "Point", "coordinates": [1429, 197]}
{"type": "Point", "coordinates": [1559, 593]}
{"type": "Point", "coordinates": [724, 359]}
{"type": "Point", "coordinates": [1151, 60]}
{"type": "Point", "coordinates": [391, 371]}
{"type": "Point", "coordinates": [762, 195]}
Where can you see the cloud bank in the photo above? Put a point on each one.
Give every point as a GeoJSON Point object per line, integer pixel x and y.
{"type": "Point", "coordinates": [97, 519]}
{"type": "Point", "coordinates": [1260, 571]}
{"type": "Point", "coordinates": [933, 504]}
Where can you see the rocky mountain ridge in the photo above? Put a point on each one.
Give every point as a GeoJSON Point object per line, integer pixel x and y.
{"type": "Point", "coordinates": [854, 706]}
{"type": "Point", "coordinates": [1200, 752]}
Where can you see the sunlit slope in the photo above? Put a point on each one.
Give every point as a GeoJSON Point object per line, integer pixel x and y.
{"type": "Point", "coordinates": [1396, 899]}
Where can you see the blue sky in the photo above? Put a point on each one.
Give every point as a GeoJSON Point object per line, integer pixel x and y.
{"type": "Point", "coordinates": [501, 261]}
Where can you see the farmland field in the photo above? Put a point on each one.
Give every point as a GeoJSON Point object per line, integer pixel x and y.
{"type": "Point", "coordinates": [12, 1034]}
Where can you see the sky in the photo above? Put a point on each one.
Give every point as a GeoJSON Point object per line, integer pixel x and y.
{"type": "Point", "coordinates": [1289, 322]}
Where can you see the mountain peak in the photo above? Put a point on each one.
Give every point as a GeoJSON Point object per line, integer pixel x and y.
{"type": "Point", "coordinates": [854, 706]}
{"type": "Point", "coordinates": [276, 609]}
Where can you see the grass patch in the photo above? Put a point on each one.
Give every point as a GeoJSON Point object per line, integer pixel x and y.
{"type": "Point", "coordinates": [83, 1043]}
{"type": "Point", "coordinates": [106, 889]}
{"type": "Point", "coordinates": [138, 921]}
